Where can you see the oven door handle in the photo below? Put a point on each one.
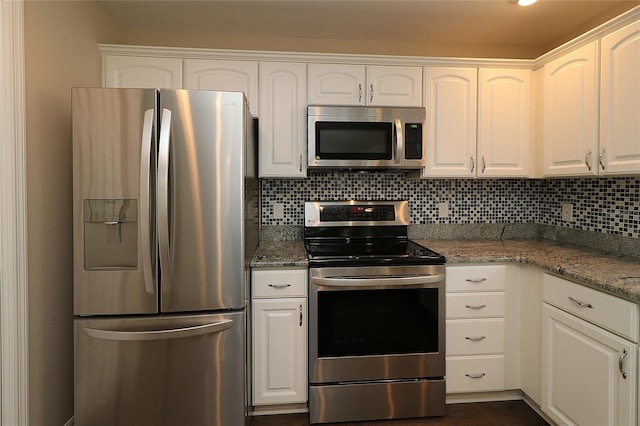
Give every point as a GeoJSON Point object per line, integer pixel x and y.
{"type": "Point", "coordinates": [376, 281]}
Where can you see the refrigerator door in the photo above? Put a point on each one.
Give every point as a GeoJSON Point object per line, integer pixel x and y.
{"type": "Point", "coordinates": [113, 201]}
{"type": "Point", "coordinates": [201, 170]}
{"type": "Point", "coordinates": [160, 371]}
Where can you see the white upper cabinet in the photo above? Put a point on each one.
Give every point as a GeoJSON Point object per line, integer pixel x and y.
{"type": "Point", "coordinates": [570, 117]}
{"type": "Point", "coordinates": [335, 84]}
{"type": "Point", "coordinates": [205, 74]}
{"type": "Point", "coordinates": [142, 72]}
{"type": "Point", "coordinates": [283, 111]}
{"type": "Point", "coordinates": [451, 103]}
{"type": "Point", "coordinates": [620, 101]}
{"type": "Point", "coordinates": [504, 122]}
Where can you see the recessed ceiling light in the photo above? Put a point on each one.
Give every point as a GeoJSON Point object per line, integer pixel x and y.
{"type": "Point", "coordinates": [526, 2]}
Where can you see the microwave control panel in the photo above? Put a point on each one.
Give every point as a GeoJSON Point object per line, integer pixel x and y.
{"type": "Point", "coordinates": [413, 141]}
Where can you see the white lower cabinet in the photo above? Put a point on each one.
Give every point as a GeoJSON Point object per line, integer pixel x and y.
{"type": "Point", "coordinates": [475, 349]}
{"type": "Point", "coordinates": [589, 374]}
{"type": "Point", "coordinates": [279, 336]}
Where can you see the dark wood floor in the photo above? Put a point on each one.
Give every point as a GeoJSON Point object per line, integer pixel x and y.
{"type": "Point", "coordinates": [507, 413]}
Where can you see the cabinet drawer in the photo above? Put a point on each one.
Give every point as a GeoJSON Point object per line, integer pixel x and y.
{"type": "Point", "coordinates": [279, 283]}
{"type": "Point", "coordinates": [610, 312]}
{"type": "Point", "coordinates": [475, 337]}
{"type": "Point", "coordinates": [475, 305]}
{"type": "Point", "coordinates": [475, 374]}
{"type": "Point", "coordinates": [476, 278]}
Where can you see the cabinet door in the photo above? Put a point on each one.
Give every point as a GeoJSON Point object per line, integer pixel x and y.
{"type": "Point", "coordinates": [450, 99]}
{"type": "Point", "coordinates": [142, 72]}
{"type": "Point", "coordinates": [331, 84]}
{"type": "Point", "coordinates": [394, 86]}
{"type": "Point", "coordinates": [620, 101]}
{"type": "Point", "coordinates": [283, 105]}
{"type": "Point", "coordinates": [279, 351]}
{"type": "Point", "coordinates": [504, 122]}
{"type": "Point", "coordinates": [570, 117]}
{"type": "Point", "coordinates": [232, 76]}
{"type": "Point", "coordinates": [589, 375]}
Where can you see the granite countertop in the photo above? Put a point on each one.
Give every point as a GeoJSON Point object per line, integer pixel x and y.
{"type": "Point", "coordinates": [611, 273]}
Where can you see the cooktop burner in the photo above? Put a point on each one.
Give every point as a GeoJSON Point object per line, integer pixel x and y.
{"type": "Point", "coordinates": [362, 233]}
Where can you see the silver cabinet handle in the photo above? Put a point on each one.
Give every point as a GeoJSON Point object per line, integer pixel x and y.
{"type": "Point", "coordinates": [587, 159]}
{"type": "Point", "coordinates": [473, 164]}
{"type": "Point", "coordinates": [601, 159]}
{"type": "Point", "coordinates": [163, 199]}
{"type": "Point", "coordinates": [371, 98]}
{"type": "Point", "coordinates": [475, 306]}
{"type": "Point", "coordinates": [399, 141]}
{"type": "Point", "coordinates": [174, 333]}
{"type": "Point", "coordinates": [283, 285]}
{"type": "Point", "coordinates": [300, 164]}
{"type": "Point", "coordinates": [145, 200]}
{"type": "Point", "coordinates": [376, 281]}
{"type": "Point", "coordinates": [579, 303]}
{"type": "Point", "coordinates": [620, 362]}
{"type": "Point", "coordinates": [359, 92]}
{"type": "Point", "coordinates": [475, 376]}
{"type": "Point", "coordinates": [300, 309]}
{"type": "Point", "coordinates": [484, 164]}
{"type": "Point", "coordinates": [476, 339]}
{"type": "Point", "coordinates": [475, 280]}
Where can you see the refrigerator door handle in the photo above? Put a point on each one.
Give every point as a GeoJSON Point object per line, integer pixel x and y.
{"type": "Point", "coordinates": [174, 333]}
{"type": "Point", "coordinates": [145, 200]}
{"type": "Point", "coordinates": [163, 199]}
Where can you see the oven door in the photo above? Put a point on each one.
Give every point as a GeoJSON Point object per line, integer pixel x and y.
{"type": "Point", "coordinates": [376, 323]}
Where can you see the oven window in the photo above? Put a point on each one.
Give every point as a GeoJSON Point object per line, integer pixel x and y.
{"type": "Point", "coordinates": [348, 140]}
{"type": "Point", "coordinates": [377, 322]}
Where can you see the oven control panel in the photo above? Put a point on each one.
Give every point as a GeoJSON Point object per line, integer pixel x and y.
{"type": "Point", "coordinates": [350, 213]}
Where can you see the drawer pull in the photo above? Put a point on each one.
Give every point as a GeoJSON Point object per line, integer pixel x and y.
{"type": "Point", "coordinates": [475, 376]}
{"type": "Point", "coordinates": [475, 306]}
{"type": "Point", "coordinates": [620, 361]}
{"type": "Point", "coordinates": [579, 303]}
{"type": "Point", "coordinates": [279, 285]}
{"type": "Point", "coordinates": [476, 339]}
{"type": "Point", "coordinates": [475, 280]}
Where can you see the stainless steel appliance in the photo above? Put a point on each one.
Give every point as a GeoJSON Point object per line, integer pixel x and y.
{"type": "Point", "coordinates": [366, 137]}
{"type": "Point", "coordinates": [165, 221]}
{"type": "Point", "coordinates": [376, 315]}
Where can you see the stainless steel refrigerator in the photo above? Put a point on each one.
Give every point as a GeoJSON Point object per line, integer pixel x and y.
{"type": "Point", "coordinates": [165, 202]}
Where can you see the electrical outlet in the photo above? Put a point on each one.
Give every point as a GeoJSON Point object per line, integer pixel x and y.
{"type": "Point", "coordinates": [443, 209]}
{"type": "Point", "coordinates": [278, 211]}
{"type": "Point", "coordinates": [567, 212]}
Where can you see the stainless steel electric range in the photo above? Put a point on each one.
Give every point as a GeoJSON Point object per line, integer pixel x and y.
{"type": "Point", "coordinates": [376, 314]}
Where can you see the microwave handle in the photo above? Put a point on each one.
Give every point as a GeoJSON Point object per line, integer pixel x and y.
{"type": "Point", "coordinates": [399, 141]}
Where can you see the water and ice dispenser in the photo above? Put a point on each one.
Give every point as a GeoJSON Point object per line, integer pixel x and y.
{"type": "Point", "coordinates": [110, 234]}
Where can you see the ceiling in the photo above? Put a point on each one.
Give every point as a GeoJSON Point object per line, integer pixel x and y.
{"type": "Point", "coordinates": [536, 28]}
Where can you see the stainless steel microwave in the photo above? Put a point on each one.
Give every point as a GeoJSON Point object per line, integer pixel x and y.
{"type": "Point", "coordinates": [359, 137]}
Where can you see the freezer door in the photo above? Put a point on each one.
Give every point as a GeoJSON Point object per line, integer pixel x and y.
{"type": "Point", "coordinates": [113, 201]}
{"type": "Point", "coordinates": [183, 370]}
{"type": "Point", "coordinates": [201, 172]}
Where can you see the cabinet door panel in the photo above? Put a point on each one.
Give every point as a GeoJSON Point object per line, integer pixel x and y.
{"type": "Point", "coordinates": [204, 74]}
{"type": "Point", "coordinates": [450, 99]}
{"type": "Point", "coordinates": [283, 105]}
{"type": "Point", "coordinates": [394, 86]}
{"type": "Point", "coordinates": [620, 101]}
{"type": "Point", "coordinates": [331, 84]}
{"type": "Point", "coordinates": [504, 122]}
{"type": "Point", "coordinates": [582, 369]}
{"type": "Point", "coordinates": [142, 72]}
{"type": "Point", "coordinates": [570, 118]}
{"type": "Point", "coordinates": [279, 351]}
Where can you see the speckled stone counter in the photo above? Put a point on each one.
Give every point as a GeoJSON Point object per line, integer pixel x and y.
{"type": "Point", "coordinates": [614, 274]}
{"type": "Point", "coordinates": [274, 254]}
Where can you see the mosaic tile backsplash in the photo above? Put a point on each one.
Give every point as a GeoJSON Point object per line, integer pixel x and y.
{"type": "Point", "coordinates": [606, 205]}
